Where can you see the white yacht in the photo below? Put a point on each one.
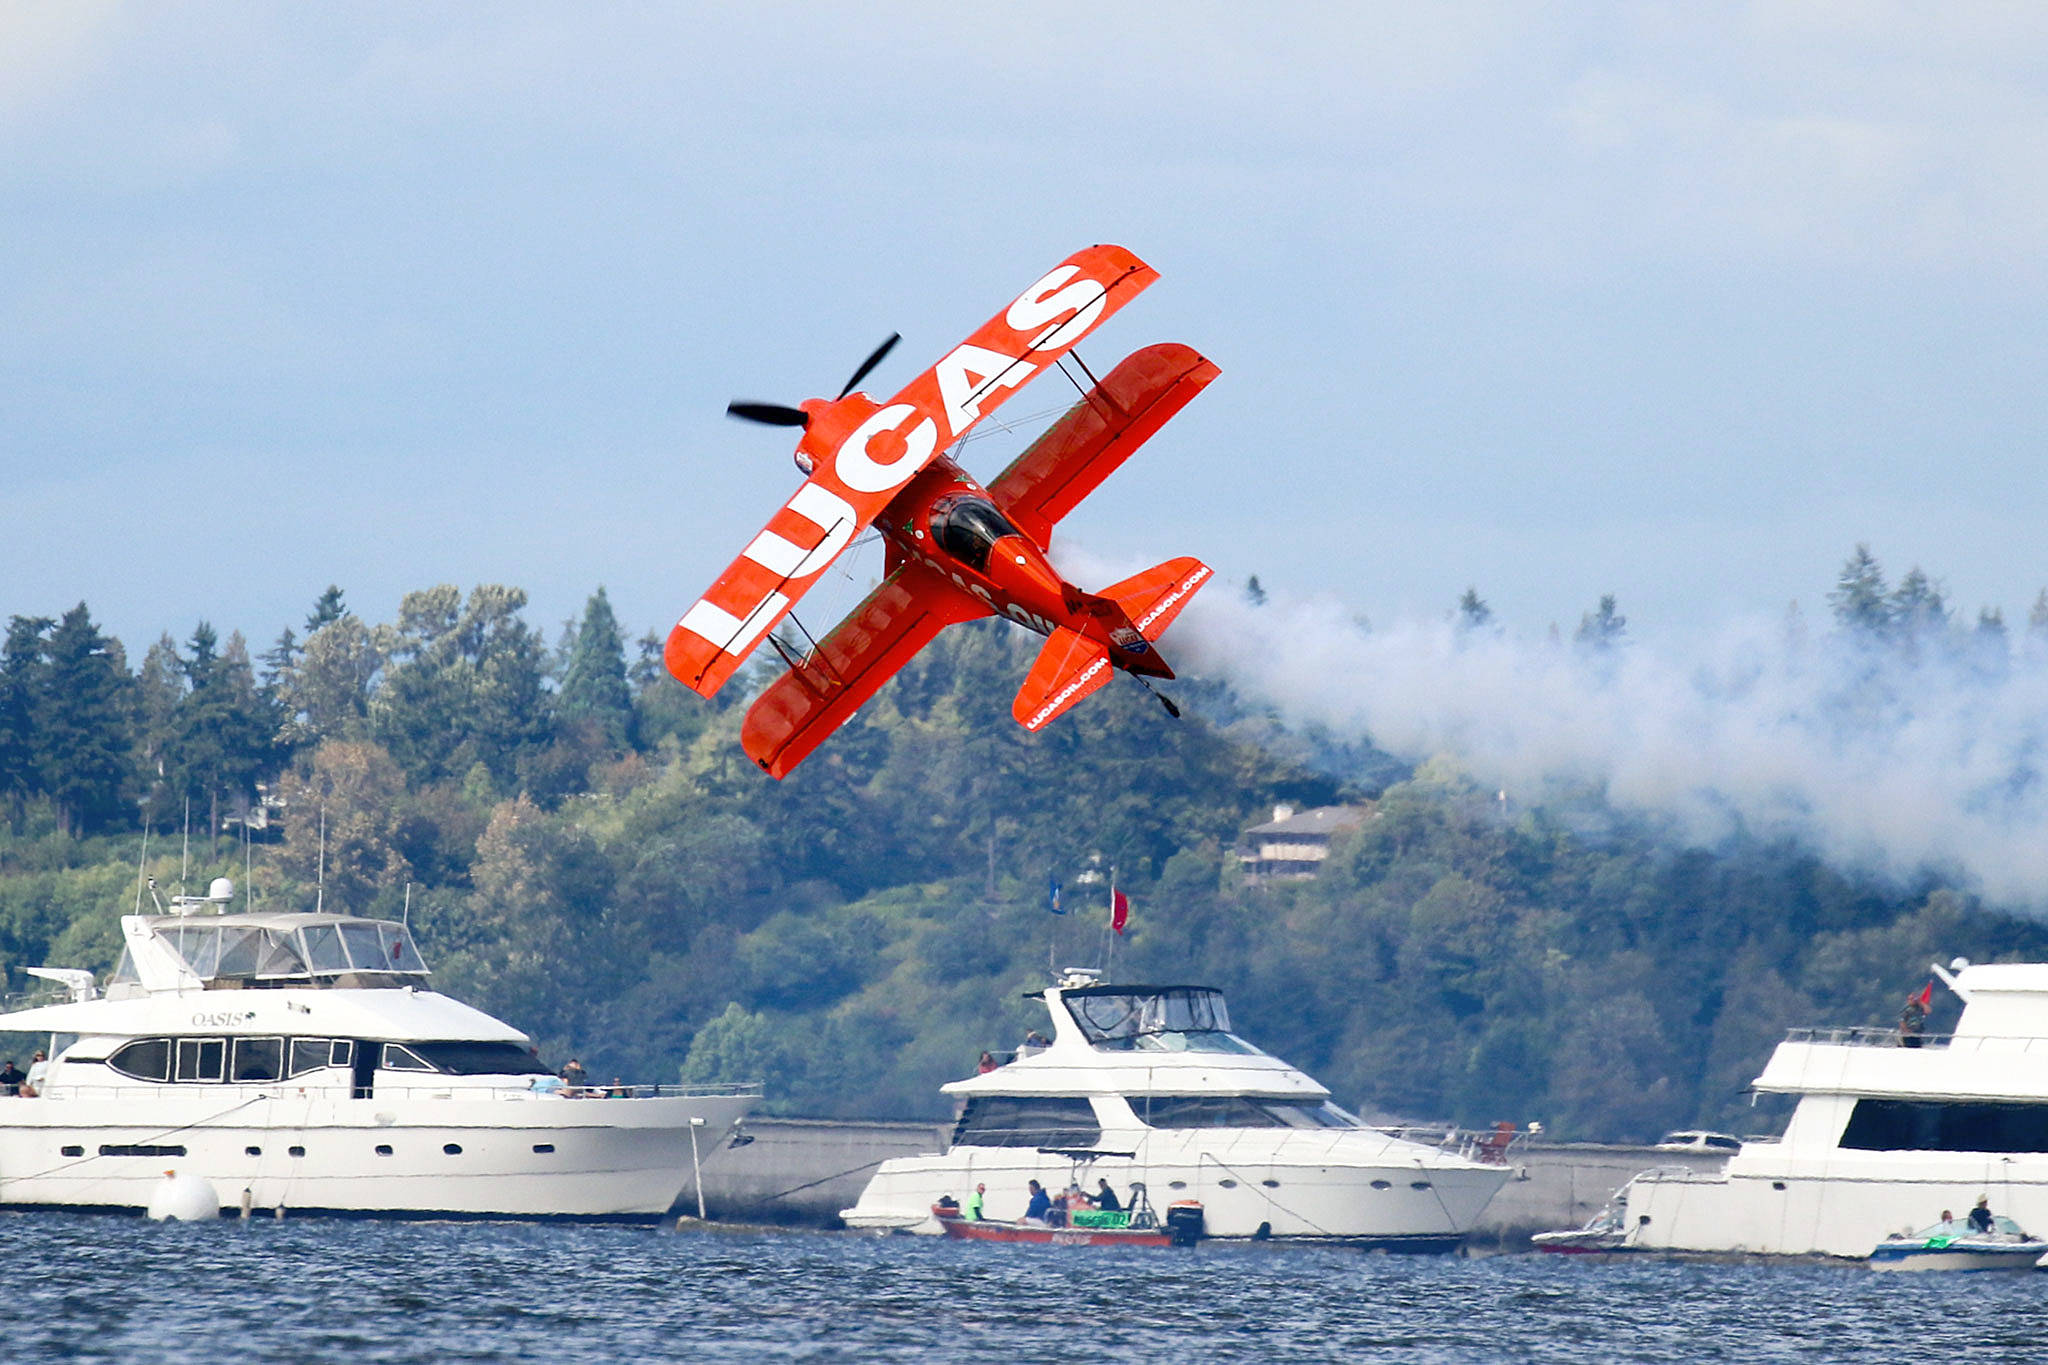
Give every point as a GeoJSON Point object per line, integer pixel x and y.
{"type": "Point", "coordinates": [1148, 1085]}
{"type": "Point", "coordinates": [1889, 1131]}
{"type": "Point", "coordinates": [301, 1062]}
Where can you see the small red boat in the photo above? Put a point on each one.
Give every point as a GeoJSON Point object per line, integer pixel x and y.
{"type": "Point", "coordinates": [1089, 1230]}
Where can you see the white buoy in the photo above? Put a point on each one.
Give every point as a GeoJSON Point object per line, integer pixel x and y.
{"type": "Point", "coordinates": [189, 1199]}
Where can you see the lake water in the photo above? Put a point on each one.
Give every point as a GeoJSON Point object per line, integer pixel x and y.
{"type": "Point", "coordinates": [84, 1287]}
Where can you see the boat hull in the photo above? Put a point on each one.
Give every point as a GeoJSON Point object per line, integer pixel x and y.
{"type": "Point", "coordinates": [1771, 1204]}
{"type": "Point", "coordinates": [1958, 1255]}
{"type": "Point", "coordinates": [494, 1154]}
{"type": "Point", "coordinates": [1398, 1204]}
{"type": "Point", "coordinates": [979, 1230]}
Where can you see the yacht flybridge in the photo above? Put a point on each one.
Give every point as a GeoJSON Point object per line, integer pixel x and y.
{"type": "Point", "coordinates": [302, 1062]}
{"type": "Point", "coordinates": [1890, 1131]}
{"type": "Point", "coordinates": [1148, 1085]}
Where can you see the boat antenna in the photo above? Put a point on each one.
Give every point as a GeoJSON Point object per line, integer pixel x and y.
{"type": "Point", "coordinates": [1108, 934]}
{"type": "Point", "coordinates": [142, 863]}
{"type": "Point", "coordinates": [320, 883]}
{"type": "Point", "coordinates": [185, 857]}
{"type": "Point", "coordinates": [405, 915]}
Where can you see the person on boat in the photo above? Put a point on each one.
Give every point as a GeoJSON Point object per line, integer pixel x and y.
{"type": "Point", "coordinates": [11, 1077]}
{"type": "Point", "coordinates": [573, 1075]}
{"type": "Point", "coordinates": [986, 1065]}
{"type": "Point", "coordinates": [974, 1202]}
{"type": "Point", "coordinates": [1947, 1226]}
{"type": "Point", "coordinates": [1105, 1197]}
{"type": "Point", "coordinates": [38, 1067]}
{"type": "Point", "coordinates": [1035, 1041]}
{"type": "Point", "coordinates": [1913, 1019]}
{"type": "Point", "coordinates": [1980, 1217]}
{"type": "Point", "coordinates": [1039, 1210]}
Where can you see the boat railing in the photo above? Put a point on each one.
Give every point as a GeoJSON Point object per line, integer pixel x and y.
{"type": "Point", "coordinates": [1489, 1146]}
{"type": "Point", "coordinates": [291, 1090]}
{"type": "Point", "coordinates": [1864, 1036]}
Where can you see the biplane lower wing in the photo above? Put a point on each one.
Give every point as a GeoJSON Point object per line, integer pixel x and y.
{"type": "Point", "coordinates": [802, 708]}
{"type": "Point", "coordinates": [1098, 434]}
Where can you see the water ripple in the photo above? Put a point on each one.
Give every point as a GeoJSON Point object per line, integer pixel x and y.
{"type": "Point", "coordinates": [116, 1289]}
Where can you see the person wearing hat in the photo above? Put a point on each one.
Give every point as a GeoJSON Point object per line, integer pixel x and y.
{"type": "Point", "coordinates": [1980, 1217]}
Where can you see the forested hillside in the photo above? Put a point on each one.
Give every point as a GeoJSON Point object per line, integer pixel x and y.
{"type": "Point", "coordinates": [590, 856]}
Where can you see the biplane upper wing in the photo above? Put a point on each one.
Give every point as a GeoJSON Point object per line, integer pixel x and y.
{"type": "Point", "coordinates": [862, 455]}
{"type": "Point", "coordinates": [1096, 435]}
{"type": "Point", "coordinates": [802, 708]}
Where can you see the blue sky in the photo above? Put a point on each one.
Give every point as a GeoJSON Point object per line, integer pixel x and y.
{"type": "Point", "coordinates": [1673, 302]}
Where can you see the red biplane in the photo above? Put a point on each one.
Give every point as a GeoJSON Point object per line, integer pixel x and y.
{"type": "Point", "coordinates": [957, 550]}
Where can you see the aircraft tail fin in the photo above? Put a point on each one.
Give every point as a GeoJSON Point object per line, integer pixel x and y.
{"type": "Point", "coordinates": [1068, 668]}
{"type": "Point", "coordinates": [1153, 598]}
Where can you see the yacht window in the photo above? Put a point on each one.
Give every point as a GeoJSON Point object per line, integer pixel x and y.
{"type": "Point", "coordinates": [239, 949]}
{"type": "Point", "coordinates": [258, 1059]}
{"type": "Point", "coordinates": [344, 1053]}
{"type": "Point", "coordinates": [1937, 1126]}
{"type": "Point", "coordinates": [1177, 1019]}
{"type": "Point", "coordinates": [146, 1059]}
{"type": "Point", "coordinates": [311, 1054]}
{"type": "Point", "coordinates": [1027, 1121]}
{"type": "Point", "coordinates": [274, 955]}
{"type": "Point", "coordinates": [400, 1058]}
{"type": "Point", "coordinates": [199, 1059]}
{"type": "Point", "coordinates": [967, 528]}
{"type": "Point", "coordinates": [1237, 1111]}
{"type": "Point", "coordinates": [399, 954]}
{"type": "Point", "coordinates": [124, 970]}
{"type": "Point", "coordinates": [365, 952]}
{"type": "Point", "coordinates": [481, 1059]}
{"type": "Point", "coordinates": [323, 950]}
{"type": "Point", "coordinates": [198, 944]}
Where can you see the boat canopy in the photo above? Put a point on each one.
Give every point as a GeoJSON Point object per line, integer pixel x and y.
{"type": "Point", "coordinates": [284, 947]}
{"type": "Point", "coordinates": [1168, 1018]}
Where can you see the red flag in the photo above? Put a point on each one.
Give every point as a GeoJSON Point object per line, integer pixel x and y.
{"type": "Point", "coordinates": [1926, 996]}
{"type": "Point", "coordinates": [1119, 910]}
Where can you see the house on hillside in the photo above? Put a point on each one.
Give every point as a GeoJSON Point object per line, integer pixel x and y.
{"type": "Point", "coordinates": [1294, 843]}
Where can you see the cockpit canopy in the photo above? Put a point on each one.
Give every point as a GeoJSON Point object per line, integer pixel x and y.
{"type": "Point", "coordinates": [280, 949]}
{"type": "Point", "coordinates": [1154, 1018]}
{"type": "Point", "coordinates": [967, 528]}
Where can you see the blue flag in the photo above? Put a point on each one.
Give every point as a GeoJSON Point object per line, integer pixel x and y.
{"type": "Point", "coordinates": [1052, 896]}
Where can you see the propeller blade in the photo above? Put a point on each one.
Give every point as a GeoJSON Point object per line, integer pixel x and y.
{"type": "Point", "coordinates": [871, 362]}
{"type": "Point", "coordinates": [768, 414]}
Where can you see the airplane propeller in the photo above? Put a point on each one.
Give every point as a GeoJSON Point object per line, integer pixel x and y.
{"type": "Point", "coordinates": [778, 415]}
{"type": "Point", "coordinates": [874, 359]}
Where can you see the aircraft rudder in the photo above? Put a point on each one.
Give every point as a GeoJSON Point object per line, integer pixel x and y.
{"type": "Point", "coordinates": [1153, 599]}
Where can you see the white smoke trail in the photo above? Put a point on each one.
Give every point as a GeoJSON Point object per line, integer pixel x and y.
{"type": "Point", "coordinates": [1893, 760]}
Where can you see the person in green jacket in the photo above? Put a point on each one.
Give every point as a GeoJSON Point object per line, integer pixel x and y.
{"type": "Point", "coordinates": [974, 1202]}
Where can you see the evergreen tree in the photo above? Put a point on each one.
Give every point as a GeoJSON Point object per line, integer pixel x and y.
{"type": "Point", "coordinates": [24, 687]}
{"type": "Point", "coordinates": [280, 659]}
{"type": "Point", "coordinates": [1473, 613]}
{"type": "Point", "coordinates": [1918, 610]}
{"type": "Point", "coordinates": [1601, 628]}
{"type": "Point", "coordinates": [2037, 619]}
{"type": "Point", "coordinates": [327, 610]}
{"type": "Point", "coordinates": [1253, 592]}
{"type": "Point", "coordinates": [87, 724]}
{"type": "Point", "coordinates": [594, 682]}
{"type": "Point", "coordinates": [225, 732]}
{"type": "Point", "coordinates": [160, 687]}
{"type": "Point", "coordinates": [1859, 599]}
